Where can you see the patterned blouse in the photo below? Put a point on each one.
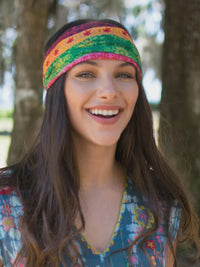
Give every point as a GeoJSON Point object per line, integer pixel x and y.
{"type": "Point", "coordinates": [132, 218]}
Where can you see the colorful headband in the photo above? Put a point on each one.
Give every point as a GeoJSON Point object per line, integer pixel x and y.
{"type": "Point", "coordinates": [92, 40]}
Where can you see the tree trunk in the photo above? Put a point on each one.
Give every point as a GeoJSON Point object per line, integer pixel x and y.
{"type": "Point", "coordinates": [31, 30]}
{"type": "Point", "coordinates": [180, 102]}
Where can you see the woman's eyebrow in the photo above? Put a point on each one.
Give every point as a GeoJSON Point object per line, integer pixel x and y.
{"type": "Point", "coordinates": [125, 64]}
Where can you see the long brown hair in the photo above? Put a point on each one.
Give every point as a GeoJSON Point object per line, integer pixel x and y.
{"type": "Point", "coordinates": [48, 184]}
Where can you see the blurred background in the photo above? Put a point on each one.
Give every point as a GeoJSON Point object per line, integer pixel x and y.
{"type": "Point", "coordinates": [167, 34]}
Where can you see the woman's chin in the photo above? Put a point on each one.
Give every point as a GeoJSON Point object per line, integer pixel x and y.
{"type": "Point", "coordinates": [106, 141]}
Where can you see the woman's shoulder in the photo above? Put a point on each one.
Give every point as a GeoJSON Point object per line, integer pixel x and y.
{"type": "Point", "coordinates": [167, 213]}
{"type": "Point", "coordinates": [8, 194]}
{"type": "Point", "coordinates": [10, 208]}
{"type": "Point", "coordinates": [10, 205]}
{"type": "Point", "coordinates": [5, 191]}
{"type": "Point", "coordinates": [11, 212]}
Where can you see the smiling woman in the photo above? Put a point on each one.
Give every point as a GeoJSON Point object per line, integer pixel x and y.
{"type": "Point", "coordinates": [94, 190]}
{"type": "Point", "coordinates": [102, 95]}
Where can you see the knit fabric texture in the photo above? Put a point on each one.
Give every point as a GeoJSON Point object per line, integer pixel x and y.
{"type": "Point", "coordinates": [91, 40]}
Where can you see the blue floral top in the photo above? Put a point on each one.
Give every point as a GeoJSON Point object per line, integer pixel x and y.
{"type": "Point", "coordinates": [133, 217]}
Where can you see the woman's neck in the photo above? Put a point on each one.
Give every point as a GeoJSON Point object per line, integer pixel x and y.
{"type": "Point", "coordinates": [97, 166]}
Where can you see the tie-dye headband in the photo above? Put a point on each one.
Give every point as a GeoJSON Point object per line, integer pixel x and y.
{"type": "Point", "coordinates": [91, 40]}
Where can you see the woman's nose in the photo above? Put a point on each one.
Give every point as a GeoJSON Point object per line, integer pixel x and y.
{"type": "Point", "coordinates": [107, 89]}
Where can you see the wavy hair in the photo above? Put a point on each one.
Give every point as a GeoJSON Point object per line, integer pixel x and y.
{"type": "Point", "coordinates": [48, 183]}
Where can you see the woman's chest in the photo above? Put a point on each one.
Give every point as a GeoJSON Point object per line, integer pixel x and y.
{"type": "Point", "coordinates": [129, 225]}
{"type": "Point", "coordinates": [100, 221]}
{"type": "Point", "coordinates": [118, 248]}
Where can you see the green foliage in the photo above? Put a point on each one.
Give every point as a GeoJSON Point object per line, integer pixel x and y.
{"type": "Point", "coordinates": [150, 6]}
{"type": "Point", "coordinates": [6, 114]}
{"type": "Point", "coordinates": [136, 10]}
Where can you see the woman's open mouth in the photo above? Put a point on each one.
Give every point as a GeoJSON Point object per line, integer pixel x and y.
{"type": "Point", "coordinates": [105, 116]}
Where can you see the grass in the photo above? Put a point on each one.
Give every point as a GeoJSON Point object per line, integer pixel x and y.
{"type": "Point", "coordinates": [4, 113]}
{"type": "Point", "coordinates": [6, 125]}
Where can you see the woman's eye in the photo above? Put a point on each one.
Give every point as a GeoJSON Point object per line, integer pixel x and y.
{"type": "Point", "coordinates": [86, 75]}
{"type": "Point", "coordinates": [124, 75]}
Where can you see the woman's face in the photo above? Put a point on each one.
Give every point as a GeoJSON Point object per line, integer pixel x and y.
{"type": "Point", "coordinates": [101, 96]}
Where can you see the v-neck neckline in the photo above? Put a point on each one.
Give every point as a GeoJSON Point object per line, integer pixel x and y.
{"type": "Point", "coordinates": [115, 229]}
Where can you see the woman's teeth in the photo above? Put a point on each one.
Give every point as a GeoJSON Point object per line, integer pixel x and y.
{"type": "Point", "coordinates": [104, 112]}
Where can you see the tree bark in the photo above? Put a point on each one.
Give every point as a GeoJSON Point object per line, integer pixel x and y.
{"type": "Point", "coordinates": [180, 101]}
{"type": "Point", "coordinates": [31, 29]}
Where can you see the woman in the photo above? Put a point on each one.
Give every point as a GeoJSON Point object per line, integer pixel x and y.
{"type": "Point", "coordinates": [94, 190]}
